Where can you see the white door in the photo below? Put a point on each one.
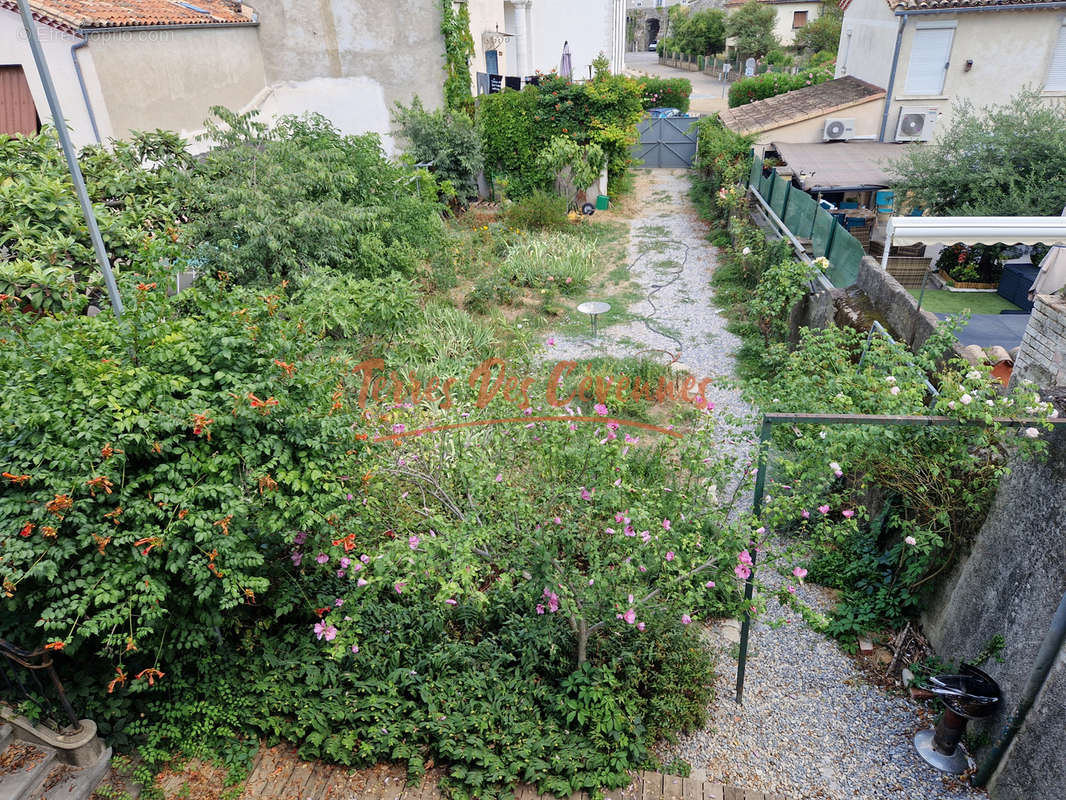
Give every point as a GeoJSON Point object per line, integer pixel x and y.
{"type": "Point", "coordinates": [930, 53]}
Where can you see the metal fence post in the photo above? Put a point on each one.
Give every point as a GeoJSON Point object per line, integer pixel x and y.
{"type": "Point", "coordinates": [749, 585]}
{"type": "Point", "coordinates": [72, 160]}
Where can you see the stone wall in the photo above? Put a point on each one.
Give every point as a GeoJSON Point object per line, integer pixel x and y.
{"type": "Point", "coordinates": [1010, 585]}
{"type": "Point", "coordinates": [1042, 357]}
{"type": "Point", "coordinates": [896, 305]}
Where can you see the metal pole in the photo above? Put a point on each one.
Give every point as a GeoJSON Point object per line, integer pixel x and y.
{"type": "Point", "coordinates": [749, 585]}
{"type": "Point", "coordinates": [59, 121]}
{"type": "Point", "coordinates": [1045, 658]}
{"type": "Point", "coordinates": [889, 233]}
{"type": "Point", "coordinates": [921, 294]}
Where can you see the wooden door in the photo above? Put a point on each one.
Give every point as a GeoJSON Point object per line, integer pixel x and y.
{"type": "Point", "coordinates": [18, 114]}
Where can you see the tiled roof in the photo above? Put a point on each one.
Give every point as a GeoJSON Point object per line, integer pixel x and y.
{"type": "Point", "coordinates": [917, 5]}
{"type": "Point", "coordinates": [125, 13]}
{"type": "Point", "coordinates": [738, 3]}
{"type": "Point", "coordinates": [800, 104]}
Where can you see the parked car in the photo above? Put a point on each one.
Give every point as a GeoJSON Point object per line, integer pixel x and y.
{"type": "Point", "coordinates": [665, 112]}
{"type": "Point", "coordinates": [652, 45]}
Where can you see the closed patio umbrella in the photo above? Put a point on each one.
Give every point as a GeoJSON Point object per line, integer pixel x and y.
{"type": "Point", "coordinates": [566, 68]}
{"type": "Point", "coordinates": [1052, 275]}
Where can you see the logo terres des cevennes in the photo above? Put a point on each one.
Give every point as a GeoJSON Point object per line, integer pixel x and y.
{"type": "Point", "coordinates": [566, 386]}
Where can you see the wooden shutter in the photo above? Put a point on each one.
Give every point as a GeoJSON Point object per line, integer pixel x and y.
{"type": "Point", "coordinates": [18, 114]}
{"type": "Point", "coordinates": [799, 19]}
{"type": "Point", "coordinates": [930, 51]}
{"type": "Point", "coordinates": [1056, 74]}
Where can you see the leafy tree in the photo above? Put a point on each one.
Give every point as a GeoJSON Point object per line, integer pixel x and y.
{"type": "Point", "coordinates": [752, 26]}
{"type": "Point", "coordinates": [701, 32]}
{"type": "Point", "coordinates": [1000, 160]}
{"type": "Point", "coordinates": [822, 34]}
{"type": "Point", "coordinates": [445, 138]}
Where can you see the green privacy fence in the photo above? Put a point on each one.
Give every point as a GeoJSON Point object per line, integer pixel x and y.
{"type": "Point", "coordinates": [806, 219]}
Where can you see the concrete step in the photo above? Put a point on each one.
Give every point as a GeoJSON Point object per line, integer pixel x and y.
{"type": "Point", "coordinates": [65, 782]}
{"type": "Point", "coordinates": [5, 736]}
{"type": "Point", "coordinates": [23, 767]}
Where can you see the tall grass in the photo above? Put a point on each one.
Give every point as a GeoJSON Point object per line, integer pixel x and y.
{"type": "Point", "coordinates": [564, 261]}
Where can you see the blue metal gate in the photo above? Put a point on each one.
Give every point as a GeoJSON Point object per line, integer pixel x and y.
{"type": "Point", "coordinates": [666, 142]}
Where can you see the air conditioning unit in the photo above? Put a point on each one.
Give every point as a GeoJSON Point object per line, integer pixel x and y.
{"type": "Point", "coordinates": [916, 124]}
{"type": "Point", "coordinates": [838, 130]}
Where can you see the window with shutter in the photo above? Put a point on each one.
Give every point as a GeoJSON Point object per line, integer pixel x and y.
{"type": "Point", "coordinates": [1056, 73]}
{"type": "Point", "coordinates": [930, 51]}
{"type": "Point", "coordinates": [799, 19]}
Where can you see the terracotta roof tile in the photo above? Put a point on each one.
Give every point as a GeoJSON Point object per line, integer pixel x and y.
{"type": "Point", "coordinates": [800, 104]}
{"type": "Point", "coordinates": [125, 13]}
{"type": "Point", "coordinates": [916, 5]}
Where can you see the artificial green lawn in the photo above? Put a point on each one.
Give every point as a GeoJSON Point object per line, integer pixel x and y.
{"type": "Point", "coordinates": [941, 301]}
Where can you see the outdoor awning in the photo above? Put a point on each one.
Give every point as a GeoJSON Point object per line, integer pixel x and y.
{"type": "Point", "coordinates": [977, 230]}
{"type": "Point", "coordinates": [840, 166]}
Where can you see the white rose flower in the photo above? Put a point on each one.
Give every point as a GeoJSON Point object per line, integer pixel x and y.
{"type": "Point", "coordinates": [890, 379]}
{"type": "Point", "coordinates": [894, 390]}
{"type": "Point", "coordinates": [973, 375]}
{"type": "Point", "coordinates": [966, 399]}
{"type": "Point", "coordinates": [1032, 433]}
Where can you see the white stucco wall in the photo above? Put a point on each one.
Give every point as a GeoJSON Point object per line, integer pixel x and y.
{"type": "Point", "coordinates": [351, 59]}
{"type": "Point", "coordinates": [867, 41]}
{"type": "Point", "coordinates": [485, 16]}
{"type": "Point", "coordinates": [364, 108]}
{"type": "Point", "coordinates": [15, 49]}
{"type": "Point", "coordinates": [589, 27]}
{"type": "Point", "coordinates": [1009, 50]}
{"type": "Point", "coordinates": [170, 79]}
{"type": "Point", "coordinates": [783, 29]}
{"type": "Point", "coordinates": [867, 118]}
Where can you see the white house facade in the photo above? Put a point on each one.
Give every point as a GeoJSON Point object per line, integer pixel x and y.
{"type": "Point", "coordinates": [930, 54]}
{"type": "Point", "coordinates": [519, 38]}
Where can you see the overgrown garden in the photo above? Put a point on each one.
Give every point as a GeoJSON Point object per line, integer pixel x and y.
{"type": "Point", "coordinates": [213, 512]}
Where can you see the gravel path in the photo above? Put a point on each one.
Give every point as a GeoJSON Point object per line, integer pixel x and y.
{"type": "Point", "coordinates": [810, 726]}
{"type": "Point", "coordinates": [676, 320]}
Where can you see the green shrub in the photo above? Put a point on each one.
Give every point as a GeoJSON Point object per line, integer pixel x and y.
{"type": "Point", "coordinates": [270, 204]}
{"type": "Point", "coordinates": [539, 211]}
{"type": "Point", "coordinates": [885, 510]}
{"type": "Point", "coordinates": [665, 92]}
{"type": "Point", "coordinates": [46, 256]}
{"type": "Point", "coordinates": [447, 141]}
{"type": "Point", "coordinates": [341, 306]}
{"type": "Point", "coordinates": [163, 463]}
{"type": "Point", "coordinates": [759, 87]}
{"type": "Point", "coordinates": [723, 157]}
{"type": "Point", "coordinates": [516, 127]}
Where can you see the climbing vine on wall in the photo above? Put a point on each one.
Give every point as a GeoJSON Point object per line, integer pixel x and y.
{"type": "Point", "coordinates": [458, 48]}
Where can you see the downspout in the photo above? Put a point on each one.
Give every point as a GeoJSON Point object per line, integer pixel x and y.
{"type": "Point", "coordinates": [1049, 650]}
{"type": "Point", "coordinates": [892, 77]}
{"type": "Point", "coordinates": [74, 48]}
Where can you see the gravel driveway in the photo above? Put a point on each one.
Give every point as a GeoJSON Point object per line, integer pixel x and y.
{"type": "Point", "coordinates": [810, 726]}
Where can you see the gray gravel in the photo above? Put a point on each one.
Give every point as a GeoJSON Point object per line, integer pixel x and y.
{"type": "Point", "coordinates": [810, 726]}
{"type": "Point", "coordinates": [676, 321]}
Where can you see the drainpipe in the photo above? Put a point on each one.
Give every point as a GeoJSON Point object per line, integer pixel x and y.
{"type": "Point", "coordinates": [892, 76]}
{"type": "Point", "coordinates": [1049, 651]}
{"type": "Point", "coordinates": [74, 48]}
